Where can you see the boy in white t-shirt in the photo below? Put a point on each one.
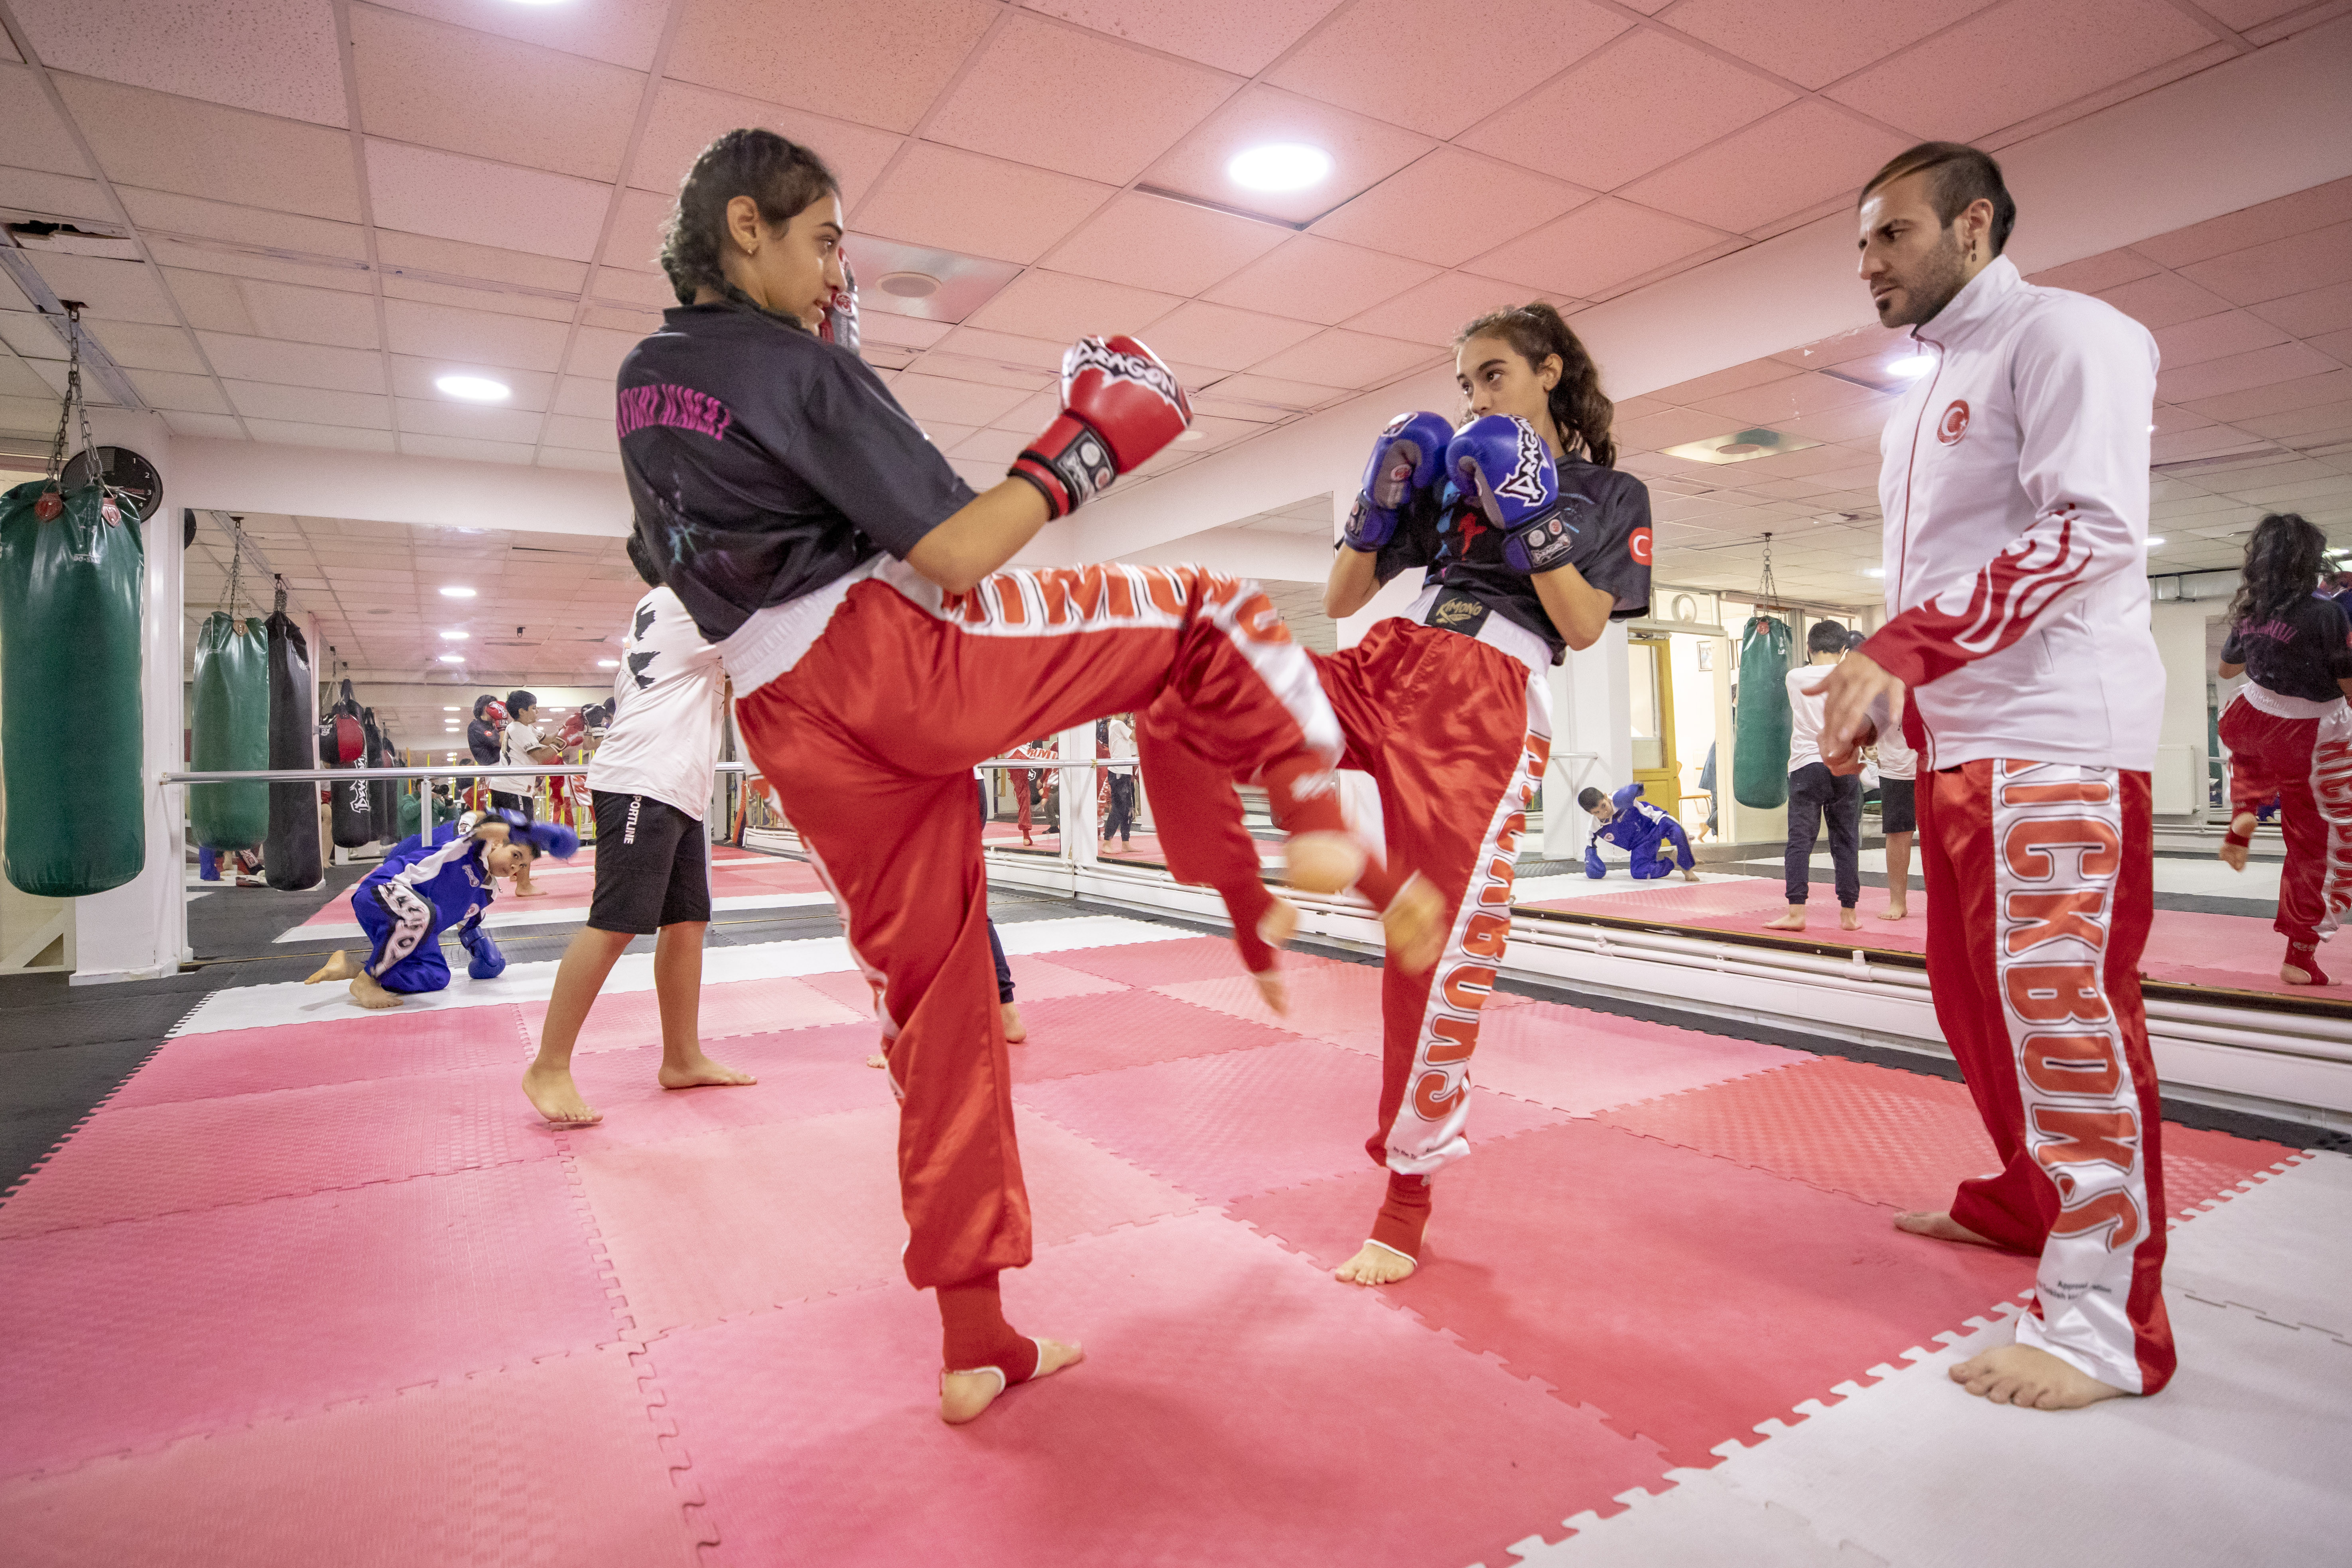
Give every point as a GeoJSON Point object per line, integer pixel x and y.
{"type": "Point", "coordinates": [1815, 793]}
{"type": "Point", "coordinates": [1898, 814]}
{"type": "Point", "coordinates": [650, 784]}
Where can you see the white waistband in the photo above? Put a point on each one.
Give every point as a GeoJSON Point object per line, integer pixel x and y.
{"type": "Point", "coordinates": [2279, 705]}
{"type": "Point", "coordinates": [1499, 632]}
{"type": "Point", "coordinates": [773, 639]}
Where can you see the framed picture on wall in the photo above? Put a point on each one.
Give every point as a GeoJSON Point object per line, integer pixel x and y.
{"type": "Point", "coordinates": [1706, 654]}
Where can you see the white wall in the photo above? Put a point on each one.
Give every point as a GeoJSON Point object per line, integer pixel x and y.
{"type": "Point", "coordinates": [2181, 773]}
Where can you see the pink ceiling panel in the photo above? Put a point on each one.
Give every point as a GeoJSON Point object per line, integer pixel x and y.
{"type": "Point", "coordinates": [1318, 280]}
{"type": "Point", "coordinates": [227, 154]}
{"type": "Point", "coordinates": [625, 32]}
{"type": "Point", "coordinates": [1030, 415]}
{"type": "Point", "coordinates": [1275, 392]}
{"type": "Point", "coordinates": [588, 397]}
{"type": "Point", "coordinates": [1055, 305]}
{"type": "Point", "coordinates": [1241, 38]}
{"type": "Point", "coordinates": [465, 92]}
{"type": "Point", "coordinates": [987, 372]}
{"type": "Point", "coordinates": [477, 337]}
{"type": "Point", "coordinates": [1432, 312]}
{"type": "Point", "coordinates": [1721, 383]}
{"type": "Point", "coordinates": [1815, 43]}
{"type": "Point", "coordinates": [1671, 428]}
{"type": "Point", "coordinates": [1340, 358]}
{"type": "Point", "coordinates": [1154, 243]}
{"type": "Point", "coordinates": [2017, 60]}
{"type": "Point", "coordinates": [430, 192]}
{"type": "Point", "coordinates": [1596, 247]}
{"type": "Point", "coordinates": [649, 290]}
{"type": "Point", "coordinates": [880, 326]}
{"type": "Point", "coordinates": [1856, 421]}
{"type": "Point", "coordinates": [1363, 153]}
{"type": "Point", "coordinates": [432, 417]}
{"type": "Point", "coordinates": [2305, 315]}
{"type": "Point", "coordinates": [1437, 66]}
{"type": "Point", "coordinates": [276, 57]}
{"type": "Point", "coordinates": [598, 351]}
{"type": "Point", "coordinates": [2239, 373]}
{"type": "Point", "coordinates": [1041, 92]}
{"type": "Point", "coordinates": [1792, 397]}
{"type": "Point", "coordinates": [1644, 101]}
{"type": "Point", "coordinates": [310, 315]}
{"type": "Point", "coordinates": [1035, 354]}
{"type": "Point", "coordinates": [1800, 157]}
{"type": "Point", "coordinates": [2317, 208]}
{"type": "Point", "coordinates": [2300, 422]}
{"type": "Point", "coordinates": [2244, 13]}
{"type": "Point", "coordinates": [1449, 207]}
{"type": "Point", "coordinates": [35, 138]}
{"type": "Point", "coordinates": [2214, 337]}
{"type": "Point", "coordinates": [969, 403]}
{"type": "Point", "coordinates": [687, 119]}
{"type": "Point", "coordinates": [880, 62]}
{"type": "Point", "coordinates": [991, 446]}
{"type": "Point", "coordinates": [467, 451]}
{"type": "Point", "coordinates": [310, 405]}
{"type": "Point", "coordinates": [638, 229]}
{"type": "Point", "coordinates": [114, 291]}
{"type": "Point", "coordinates": [2164, 300]}
{"type": "Point", "coordinates": [1222, 337]}
{"type": "Point", "coordinates": [2096, 274]}
{"type": "Point", "coordinates": [954, 200]}
{"type": "Point", "coordinates": [2272, 271]}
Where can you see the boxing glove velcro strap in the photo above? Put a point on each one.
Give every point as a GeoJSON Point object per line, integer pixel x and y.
{"type": "Point", "coordinates": [1070, 463]}
{"type": "Point", "coordinates": [1560, 535]}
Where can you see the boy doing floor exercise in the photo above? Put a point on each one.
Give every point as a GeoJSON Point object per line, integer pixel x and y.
{"type": "Point", "coordinates": [1654, 840]}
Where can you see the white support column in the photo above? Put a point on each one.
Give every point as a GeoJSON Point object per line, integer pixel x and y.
{"type": "Point", "coordinates": [1080, 823]}
{"type": "Point", "coordinates": [140, 931]}
{"type": "Point", "coordinates": [1591, 738]}
{"type": "Point", "coordinates": [2180, 784]}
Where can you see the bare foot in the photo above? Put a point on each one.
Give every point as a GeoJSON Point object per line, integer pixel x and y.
{"type": "Point", "coordinates": [525, 891]}
{"type": "Point", "coordinates": [1375, 1265]}
{"type": "Point", "coordinates": [339, 966]}
{"type": "Point", "coordinates": [878, 1060]}
{"type": "Point", "coordinates": [553, 1095]}
{"type": "Point", "coordinates": [2020, 1374]}
{"type": "Point", "coordinates": [1690, 873]}
{"type": "Point", "coordinates": [368, 994]}
{"type": "Point", "coordinates": [964, 1394]}
{"type": "Point", "coordinates": [1939, 1228]}
{"type": "Point", "coordinates": [1322, 862]}
{"type": "Point", "coordinates": [1849, 920]}
{"type": "Point", "coordinates": [2294, 976]}
{"type": "Point", "coordinates": [702, 1072]}
{"type": "Point", "coordinates": [1793, 920]}
{"type": "Point", "coordinates": [2233, 856]}
{"type": "Point", "coordinates": [1894, 912]}
{"type": "Point", "coordinates": [1015, 1031]}
{"type": "Point", "coordinates": [1414, 924]}
{"type": "Point", "coordinates": [1273, 990]}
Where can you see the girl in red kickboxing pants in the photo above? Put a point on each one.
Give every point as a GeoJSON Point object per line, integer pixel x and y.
{"type": "Point", "coordinates": [2041, 888]}
{"type": "Point", "coordinates": [1456, 730]}
{"type": "Point", "coordinates": [889, 690]}
{"type": "Point", "coordinates": [2300, 751]}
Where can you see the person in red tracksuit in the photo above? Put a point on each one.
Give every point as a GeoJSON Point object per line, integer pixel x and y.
{"type": "Point", "coordinates": [1529, 542]}
{"type": "Point", "coordinates": [2289, 732]}
{"type": "Point", "coordinates": [851, 582]}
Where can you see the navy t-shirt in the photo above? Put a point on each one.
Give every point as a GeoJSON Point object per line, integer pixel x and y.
{"type": "Point", "coordinates": [2297, 651]}
{"type": "Point", "coordinates": [764, 463]}
{"type": "Point", "coordinates": [1461, 550]}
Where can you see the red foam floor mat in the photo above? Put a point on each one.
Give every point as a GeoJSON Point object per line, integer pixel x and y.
{"type": "Point", "coordinates": [1073, 1035]}
{"type": "Point", "coordinates": [1685, 1297]}
{"type": "Point", "coordinates": [336, 1050]}
{"type": "Point", "coordinates": [702, 1228]}
{"type": "Point", "coordinates": [556, 1464]}
{"type": "Point", "coordinates": [1225, 1126]}
{"type": "Point", "coordinates": [1235, 1407]}
{"type": "Point", "coordinates": [802, 1073]}
{"type": "Point", "coordinates": [1033, 980]}
{"type": "Point", "coordinates": [1581, 1061]}
{"type": "Point", "coordinates": [1330, 999]}
{"type": "Point", "coordinates": [622, 1020]}
{"type": "Point", "coordinates": [1167, 962]}
{"type": "Point", "coordinates": [1895, 1138]}
{"type": "Point", "coordinates": [123, 1338]}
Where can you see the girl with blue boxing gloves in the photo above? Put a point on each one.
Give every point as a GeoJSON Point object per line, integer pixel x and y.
{"type": "Point", "coordinates": [427, 886]}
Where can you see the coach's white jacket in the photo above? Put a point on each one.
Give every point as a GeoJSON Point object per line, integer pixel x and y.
{"type": "Point", "coordinates": [2013, 476]}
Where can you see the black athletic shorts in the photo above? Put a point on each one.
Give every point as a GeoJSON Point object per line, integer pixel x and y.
{"type": "Point", "coordinates": [503, 800]}
{"type": "Point", "coordinates": [1898, 809]}
{"type": "Point", "coordinates": [653, 866]}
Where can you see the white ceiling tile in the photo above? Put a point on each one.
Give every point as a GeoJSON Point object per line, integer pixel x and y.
{"type": "Point", "coordinates": [645, 290]}
{"type": "Point", "coordinates": [1341, 358]}
{"type": "Point", "coordinates": [185, 394]}
{"type": "Point", "coordinates": [212, 302]}
{"type": "Point", "coordinates": [1363, 153]}
{"type": "Point", "coordinates": [622, 32]}
{"type": "Point", "coordinates": [216, 426]}
{"type": "Point", "coordinates": [31, 131]}
{"type": "Point", "coordinates": [166, 143]}
{"type": "Point", "coordinates": [425, 191]}
{"type": "Point", "coordinates": [20, 379]}
{"type": "Point", "coordinates": [168, 213]}
{"type": "Point", "coordinates": [1044, 354]}
{"type": "Point", "coordinates": [554, 456]}
{"type": "Point", "coordinates": [1436, 66]}
{"type": "Point", "coordinates": [469, 451]}
{"type": "Point", "coordinates": [634, 324]}
{"type": "Point", "coordinates": [310, 315]}
{"type": "Point", "coordinates": [53, 196]}
{"type": "Point", "coordinates": [403, 252]}
{"type": "Point", "coordinates": [878, 326]}
{"type": "Point", "coordinates": [413, 378]}
{"type": "Point", "coordinates": [970, 403]}
{"type": "Point", "coordinates": [1595, 248]}
{"type": "Point", "coordinates": [1319, 280]}
{"type": "Point", "coordinates": [638, 229]}
{"type": "Point", "coordinates": [954, 200]}
{"type": "Point", "coordinates": [598, 352]}
{"type": "Point", "coordinates": [1484, 202]}
{"type": "Point", "coordinates": [988, 372]}
{"type": "Point", "coordinates": [293, 366]}
{"type": "Point", "coordinates": [220, 260]}
{"type": "Point", "coordinates": [587, 396]}
{"type": "Point", "coordinates": [500, 301]}
{"type": "Point", "coordinates": [1221, 337]}
{"type": "Point", "coordinates": [1814, 44]}
{"type": "Point", "coordinates": [275, 56]}
{"type": "Point", "coordinates": [137, 346]}
{"type": "Point", "coordinates": [477, 337]}
{"type": "Point", "coordinates": [309, 405]}
{"type": "Point", "coordinates": [1434, 313]}
{"type": "Point", "coordinates": [1050, 305]}
{"type": "Point", "coordinates": [1771, 170]}
{"type": "Point", "coordinates": [687, 118]}
{"type": "Point", "coordinates": [28, 417]}
{"type": "Point", "coordinates": [1152, 242]}
{"type": "Point", "coordinates": [881, 61]}
{"type": "Point", "coordinates": [122, 291]}
{"type": "Point", "coordinates": [1243, 40]}
{"type": "Point", "coordinates": [472, 421]}
{"type": "Point", "coordinates": [582, 435]}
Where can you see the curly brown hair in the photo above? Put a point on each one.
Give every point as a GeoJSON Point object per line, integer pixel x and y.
{"type": "Point", "coordinates": [1577, 404]}
{"type": "Point", "coordinates": [783, 176]}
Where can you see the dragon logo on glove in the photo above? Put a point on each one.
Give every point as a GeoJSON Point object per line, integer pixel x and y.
{"type": "Point", "coordinates": [1525, 483]}
{"type": "Point", "coordinates": [1093, 353]}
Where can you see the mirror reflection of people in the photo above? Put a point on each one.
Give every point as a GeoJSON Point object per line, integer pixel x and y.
{"type": "Point", "coordinates": [518, 744]}
{"type": "Point", "coordinates": [1817, 793]}
{"type": "Point", "coordinates": [2289, 641]}
{"type": "Point", "coordinates": [1653, 839]}
{"type": "Point", "coordinates": [1898, 815]}
{"type": "Point", "coordinates": [1119, 745]}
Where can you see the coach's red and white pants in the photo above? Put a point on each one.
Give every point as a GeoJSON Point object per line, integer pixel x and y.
{"type": "Point", "coordinates": [2300, 752]}
{"type": "Point", "coordinates": [1455, 731]}
{"type": "Point", "coordinates": [2040, 879]}
{"type": "Point", "coordinates": [866, 705]}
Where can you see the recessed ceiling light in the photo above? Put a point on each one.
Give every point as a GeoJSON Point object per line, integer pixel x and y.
{"type": "Point", "coordinates": [907, 285]}
{"type": "Point", "coordinates": [608, 664]}
{"type": "Point", "coordinates": [474, 388]}
{"type": "Point", "coordinates": [453, 710]}
{"type": "Point", "coordinates": [457, 592]}
{"type": "Point", "coordinates": [1193, 436]}
{"type": "Point", "coordinates": [1873, 571]}
{"type": "Point", "coordinates": [2154, 540]}
{"type": "Point", "coordinates": [1911, 365]}
{"type": "Point", "coordinates": [453, 636]}
{"type": "Point", "coordinates": [1280, 167]}
{"type": "Point", "coordinates": [452, 658]}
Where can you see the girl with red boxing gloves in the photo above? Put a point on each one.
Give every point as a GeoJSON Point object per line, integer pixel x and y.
{"type": "Point", "coordinates": [1529, 542]}
{"type": "Point", "coordinates": [852, 584]}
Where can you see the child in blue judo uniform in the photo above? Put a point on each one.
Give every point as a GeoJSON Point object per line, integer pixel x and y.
{"type": "Point", "coordinates": [424, 889]}
{"type": "Point", "coordinates": [1655, 841]}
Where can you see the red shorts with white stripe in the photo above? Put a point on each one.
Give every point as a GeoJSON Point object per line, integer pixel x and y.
{"type": "Point", "coordinates": [869, 735]}
{"type": "Point", "coordinates": [2041, 889]}
{"type": "Point", "coordinates": [2300, 753]}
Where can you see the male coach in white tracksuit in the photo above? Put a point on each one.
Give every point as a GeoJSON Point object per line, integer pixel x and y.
{"type": "Point", "coordinates": [2014, 479]}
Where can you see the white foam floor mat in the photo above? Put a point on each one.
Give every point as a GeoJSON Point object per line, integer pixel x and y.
{"type": "Point", "coordinates": [2283, 1250]}
{"type": "Point", "coordinates": [1576, 885]}
{"type": "Point", "coordinates": [502, 918]}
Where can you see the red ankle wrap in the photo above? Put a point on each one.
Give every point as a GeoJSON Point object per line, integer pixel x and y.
{"type": "Point", "coordinates": [975, 1334]}
{"type": "Point", "coordinates": [2304, 955]}
{"type": "Point", "coordinates": [2240, 839]}
{"type": "Point", "coordinates": [1248, 902]}
{"type": "Point", "coordinates": [1403, 1215]}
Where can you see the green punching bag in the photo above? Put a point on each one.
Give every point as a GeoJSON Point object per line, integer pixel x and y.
{"type": "Point", "coordinates": [1760, 748]}
{"type": "Point", "coordinates": [229, 720]}
{"type": "Point", "coordinates": [69, 704]}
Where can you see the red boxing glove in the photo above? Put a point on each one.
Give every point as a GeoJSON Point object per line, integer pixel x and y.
{"type": "Point", "coordinates": [840, 323]}
{"type": "Point", "coordinates": [1120, 405]}
{"type": "Point", "coordinates": [575, 729]}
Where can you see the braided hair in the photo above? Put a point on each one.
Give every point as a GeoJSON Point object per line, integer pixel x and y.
{"type": "Point", "coordinates": [1576, 406]}
{"type": "Point", "coordinates": [2283, 564]}
{"type": "Point", "coordinates": [783, 177]}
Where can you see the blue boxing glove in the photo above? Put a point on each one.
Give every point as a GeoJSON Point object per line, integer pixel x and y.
{"type": "Point", "coordinates": [1594, 866]}
{"type": "Point", "coordinates": [548, 838]}
{"type": "Point", "coordinates": [486, 961]}
{"type": "Point", "coordinates": [1502, 461]}
{"type": "Point", "coordinates": [1407, 461]}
